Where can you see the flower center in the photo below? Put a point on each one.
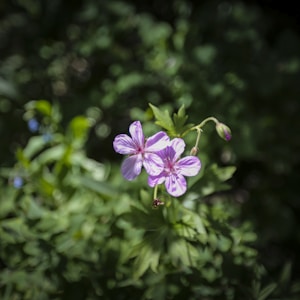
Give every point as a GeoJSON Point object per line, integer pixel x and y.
{"type": "Point", "coordinates": [169, 166]}
{"type": "Point", "coordinates": [139, 150]}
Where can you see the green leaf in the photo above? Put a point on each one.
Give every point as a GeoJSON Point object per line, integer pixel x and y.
{"type": "Point", "coordinates": [21, 157]}
{"type": "Point", "coordinates": [55, 153]}
{"type": "Point", "coordinates": [16, 229]}
{"type": "Point", "coordinates": [163, 119]}
{"type": "Point", "coordinates": [179, 119]}
{"type": "Point", "coordinates": [224, 173]}
{"type": "Point", "coordinates": [213, 179]}
{"type": "Point", "coordinates": [190, 226]}
{"type": "Point", "coordinates": [182, 253]}
{"type": "Point", "coordinates": [285, 275]}
{"type": "Point", "coordinates": [268, 290]}
{"type": "Point", "coordinates": [42, 106]}
{"type": "Point", "coordinates": [32, 209]}
{"type": "Point", "coordinates": [147, 254]}
{"type": "Point", "coordinates": [96, 186]}
{"type": "Point", "coordinates": [35, 144]}
{"type": "Point", "coordinates": [78, 129]}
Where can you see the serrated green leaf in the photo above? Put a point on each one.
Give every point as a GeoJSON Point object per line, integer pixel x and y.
{"type": "Point", "coordinates": [179, 119]}
{"type": "Point", "coordinates": [183, 253]}
{"type": "Point", "coordinates": [199, 225]}
{"type": "Point", "coordinates": [147, 254]}
{"type": "Point", "coordinates": [163, 119]}
{"type": "Point", "coordinates": [191, 225]}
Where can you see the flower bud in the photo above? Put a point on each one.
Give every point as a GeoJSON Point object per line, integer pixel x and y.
{"type": "Point", "coordinates": [194, 151]}
{"type": "Point", "coordinates": [223, 131]}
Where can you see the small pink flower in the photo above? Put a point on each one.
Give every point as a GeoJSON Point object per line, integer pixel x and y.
{"type": "Point", "coordinates": [140, 152]}
{"type": "Point", "coordinates": [175, 169]}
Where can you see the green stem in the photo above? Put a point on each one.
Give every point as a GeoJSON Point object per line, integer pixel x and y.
{"type": "Point", "coordinates": [155, 192]}
{"type": "Point", "coordinates": [199, 126]}
{"type": "Point", "coordinates": [195, 149]}
{"type": "Point", "coordinates": [199, 130]}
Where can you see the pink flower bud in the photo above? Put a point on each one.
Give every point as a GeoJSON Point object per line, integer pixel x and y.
{"type": "Point", "coordinates": [194, 151]}
{"type": "Point", "coordinates": [223, 131]}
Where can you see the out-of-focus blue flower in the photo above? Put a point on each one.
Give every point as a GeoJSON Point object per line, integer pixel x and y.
{"type": "Point", "coordinates": [18, 182]}
{"type": "Point", "coordinates": [33, 125]}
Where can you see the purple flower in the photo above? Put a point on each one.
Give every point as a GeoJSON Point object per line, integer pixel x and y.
{"type": "Point", "coordinates": [175, 169]}
{"type": "Point", "coordinates": [141, 151]}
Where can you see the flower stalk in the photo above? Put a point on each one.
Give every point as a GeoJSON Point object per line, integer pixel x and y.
{"type": "Point", "coordinates": [223, 131]}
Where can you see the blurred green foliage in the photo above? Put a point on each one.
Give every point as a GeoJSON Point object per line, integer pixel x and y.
{"type": "Point", "coordinates": [75, 230]}
{"type": "Point", "coordinates": [71, 228]}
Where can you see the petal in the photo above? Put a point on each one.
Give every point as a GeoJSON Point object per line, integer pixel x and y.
{"type": "Point", "coordinates": [168, 155]}
{"type": "Point", "coordinates": [137, 135]}
{"type": "Point", "coordinates": [123, 144]}
{"type": "Point", "coordinates": [178, 145]}
{"type": "Point", "coordinates": [157, 142]}
{"type": "Point", "coordinates": [153, 164]}
{"type": "Point", "coordinates": [188, 166]}
{"type": "Point", "coordinates": [131, 166]}
{"type": "Point", "coordinates": [175, 185]}
{"type": "Point", "coordinates": [155, 180]}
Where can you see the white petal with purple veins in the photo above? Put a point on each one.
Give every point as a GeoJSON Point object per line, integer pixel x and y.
{"type": "Point", "coordinates": [123, 144]}
{"type": "Point", "coordinates": [137, 134]}
{"type": "Point", "coordinates": [175, 185]}
{"type": "Point", "coordinates": [153, 164]}
{"type": "Point", "coordinates": [132, 166]}
{"type": "Point", "coordinates": [157, 142]}
{"type": "Point", "coordinates": [188, 166]}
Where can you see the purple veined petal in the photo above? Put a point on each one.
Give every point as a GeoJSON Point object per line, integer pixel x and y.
{"type": "Point", "coordinates": [178, 145]}
{"type": "Point", "coordinates": [155, 180]}
{"type": "Point", "coordinates": [153, 164]}
{"type": "Point", "coordinates": [132, 166]}
{"type": "Point", "coordinates": [137, 134]}
{"type": "Point", "coordinates": [157, 142]}
{"type": "Point", "coordinates": [188, 166]}
{"type": "Point", "coordinates": [175, 185]}
{"type": "Point", "coordinates": [169, 156]}
{"type": "Point", "coordinates": [123, 144]}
